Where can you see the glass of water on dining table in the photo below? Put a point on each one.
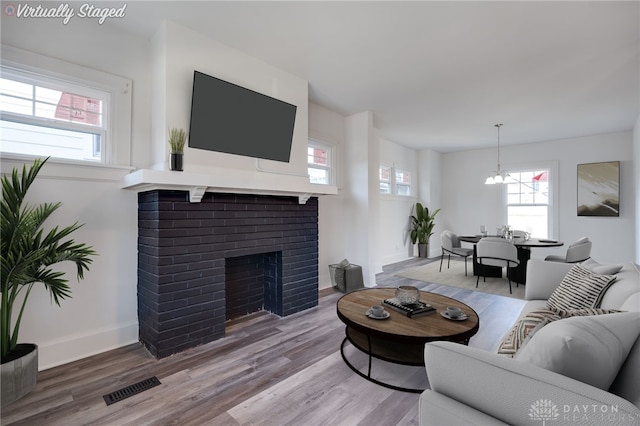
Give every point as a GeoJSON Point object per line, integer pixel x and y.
{"type": "Point", "coordinates": [483, 230]}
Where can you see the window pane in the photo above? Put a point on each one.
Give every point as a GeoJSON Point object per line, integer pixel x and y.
{"type": "Point", "coordinates": [403, 177]}
{"type": "Point", "coordinates": [15, 88]}
{"type": "Point", "coordinates": [48, 95]}
{"type": "Point", "coordinates": [404, 189]}
{"type": "Point", "coordinates": [16, 105]}
{"type": "Point", "coordinates": [44, 141]}
{"type": "Point", "coordinates": [533, 219]}
{"type": "Point", "coordinates": [385, 188]}
{"type": "Point", "coordinates": [79, 109]}
{"type": "Point", "coordinates": [318, 176]}
{"type": "Point", "coordinates": [385, 174]}
{"type": "Point", "coordinates": [317, 156]}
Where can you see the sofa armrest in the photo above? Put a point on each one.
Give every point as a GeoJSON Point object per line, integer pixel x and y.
{"type": "Point", "coordinates": [543, 277]}
{"type": "Point", "coordinates": [510, 390]}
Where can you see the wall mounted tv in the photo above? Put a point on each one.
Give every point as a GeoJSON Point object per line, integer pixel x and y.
{"type": "Point", "coordinates": [229, 118]}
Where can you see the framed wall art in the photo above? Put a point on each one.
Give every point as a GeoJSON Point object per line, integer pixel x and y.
{"type": "Point", "coordinates": [599, 189]}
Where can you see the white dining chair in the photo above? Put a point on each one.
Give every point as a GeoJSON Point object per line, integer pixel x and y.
{"type": "Point", "coordinates": [578, 251]}
{"type": "Point", "coordinates": [499, 252]}
{"type": "Point", "coordinates": [451, 245]}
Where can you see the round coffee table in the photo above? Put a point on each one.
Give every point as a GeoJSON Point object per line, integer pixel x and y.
{"type": "Point", "coordinates": [399, 339]}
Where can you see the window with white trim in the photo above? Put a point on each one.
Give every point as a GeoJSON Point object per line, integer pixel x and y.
{"type": "Point", "coordinates": [320, 160]}
{"type": "Point", "coordinates": [528, 202]}
{"type": "Point", "coordinates": [394, 181]}
{"type": "Point", "coordinates": [403, 182]}
{"type": "Point", "coordinates": [46, 116]}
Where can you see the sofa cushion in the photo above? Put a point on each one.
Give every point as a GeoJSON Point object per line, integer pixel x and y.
{"type": "Point", "coordinates": [516, 337]}
{"type": "Point", "coordinates": [580, 288]}
{"type": "Point", "coordinates": [574, 346]}
{"type": "Point", "coordinates": [600, 268]}
{"type": "Point", "coordinates": [632, 303]}
{"type": "Point", "coordinates": [627, 282]}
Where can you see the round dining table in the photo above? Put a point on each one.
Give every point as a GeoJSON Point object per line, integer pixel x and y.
{"type": "Point", "coordinates": [524, 246]}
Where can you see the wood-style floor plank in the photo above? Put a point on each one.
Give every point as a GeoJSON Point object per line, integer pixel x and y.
{"type": "Point", "coordinates": [266, 371]}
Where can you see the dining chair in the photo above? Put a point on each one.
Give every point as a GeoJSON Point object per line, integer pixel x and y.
{"type": "Point", "coordinates": [451, 245]}
{"type": "Point", "coordinates": [578, 251]}
{"type": "Point", "coordinates": [499, 252]}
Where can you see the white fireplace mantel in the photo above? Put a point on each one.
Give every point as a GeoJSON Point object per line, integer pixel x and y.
{"type": "Point", "coordinates": [225, 180]}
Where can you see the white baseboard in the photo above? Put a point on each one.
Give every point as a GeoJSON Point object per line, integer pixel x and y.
{"type": "Point", "coordinates": [64, 351]}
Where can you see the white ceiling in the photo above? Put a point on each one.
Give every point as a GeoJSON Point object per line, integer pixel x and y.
{"type": "Point", "coordinates": [439, 75]}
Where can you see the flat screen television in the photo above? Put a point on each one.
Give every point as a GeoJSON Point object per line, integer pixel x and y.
{"type": "Point", "coordinates": [229, 118]}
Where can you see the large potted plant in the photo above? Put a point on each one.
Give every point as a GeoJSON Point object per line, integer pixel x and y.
{"type": "Point", "coordinates": [422, 223]}
{"type": "Point", "coordinates": [28, 252]}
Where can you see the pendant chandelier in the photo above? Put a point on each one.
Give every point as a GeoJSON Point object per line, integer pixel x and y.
{"type": "Point", "coordinates": [498, 175]}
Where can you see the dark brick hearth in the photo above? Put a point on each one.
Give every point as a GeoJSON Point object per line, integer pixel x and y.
{"type": "Point", "coordinates": [186, 250]}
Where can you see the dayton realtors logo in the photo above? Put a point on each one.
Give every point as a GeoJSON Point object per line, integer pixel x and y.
{"type": "Point", "coordinates": [64, 12]}
{"type": "Point", "coordinates": [545, 411]}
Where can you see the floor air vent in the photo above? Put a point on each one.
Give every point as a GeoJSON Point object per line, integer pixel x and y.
{"type": "Point", "coordinates": [131, 390]}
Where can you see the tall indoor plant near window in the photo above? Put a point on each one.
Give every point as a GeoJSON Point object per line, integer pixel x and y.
{"type": "Point", "coordinates": [422, 223]}
{"type": "Point", "coordinates": [28, 252]}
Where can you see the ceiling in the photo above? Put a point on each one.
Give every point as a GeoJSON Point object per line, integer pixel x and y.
{"type": "Point", "coordinates": [439, 75]}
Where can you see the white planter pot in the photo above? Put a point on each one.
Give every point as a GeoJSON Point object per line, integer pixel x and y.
{"type": "Point", "coordinates": [19, 376]}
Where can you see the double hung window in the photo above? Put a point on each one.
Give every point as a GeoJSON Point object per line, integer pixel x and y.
{"type": "Point", "coordinates": [320, 159]}
{"type": "Point", "coordinates": [46, 116]}
{"type": "Point", "coordinates": [394, 181]}
{"type": "Point", "coordinates": [528, 202]}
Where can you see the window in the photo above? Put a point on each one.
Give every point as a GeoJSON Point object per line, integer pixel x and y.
{"type": "Point", "coordinates": [528, 204]}
{"type": "Point", "coordinates": [403, 182]}
{"type": "Point", "coordinates": [394, 181]}
{"type": "Point", "coordinates": [320, 161]}
{"type": "Point", "coordinates": [51, 117]}
{"type": "Point", "coordinates": [73, 113]}
{"type": "Point", "coordinates": [385, 180]}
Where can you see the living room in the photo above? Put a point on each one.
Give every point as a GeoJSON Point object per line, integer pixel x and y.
{"type": "Point", "coordinates": [359, 223]}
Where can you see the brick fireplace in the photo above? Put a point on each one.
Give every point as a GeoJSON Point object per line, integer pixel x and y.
{"type": "Point", "coordinates": [200, 264]}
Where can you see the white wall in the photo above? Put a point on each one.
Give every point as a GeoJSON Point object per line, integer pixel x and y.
{"type": "Point", "coordinates": [467, 202]}
{"type": "Point", "coordinates": [430, 193]}
{"type": "Point", "coordinates": [395, 242]}
{"type": "Point", "coordinates": [102, 313]}
{"type": "Point", "coordinates": [329, 127]}
{"type": "Point", "coordinates": [182, 51]}
{"type": "Point", "coordinates": [360, 210]}
{"type": "Point", "coordinates": [636, 179]}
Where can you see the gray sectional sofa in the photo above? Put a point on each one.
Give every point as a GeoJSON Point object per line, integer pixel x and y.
{"type": "Point", "coordinates": [598, 356]}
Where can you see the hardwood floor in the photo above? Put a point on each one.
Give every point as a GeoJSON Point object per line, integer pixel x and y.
{"type": "Point", "coordinates": [266, 371]}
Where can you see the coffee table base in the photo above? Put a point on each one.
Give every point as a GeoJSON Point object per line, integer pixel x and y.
{"type": "Point", "coordinates": [368, 375]}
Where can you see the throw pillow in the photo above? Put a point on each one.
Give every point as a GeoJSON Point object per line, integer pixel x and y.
{"type": "Point", "coordinates": [579, 289]}
{"type": "Point", "coordinates": [524, 327]}
{"type": "Point", "coordinates": [600, 268]}
{"type": "Point", "coordinates": [527, 326]}
{"type": "Point", "coordinates": [590, 349]}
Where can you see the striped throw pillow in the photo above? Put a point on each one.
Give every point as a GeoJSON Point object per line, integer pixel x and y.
{"type": "Point", "coordinates": [579, 289]}
{"type": "Point", "coordinates": [525, 326]}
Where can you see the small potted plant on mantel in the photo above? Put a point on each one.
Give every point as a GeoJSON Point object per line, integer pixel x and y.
{"type": "Point", "coordinates": [28, 252]}
{"type": "Point", "coordinates": [422, 223]}
{"type": "Point", "coordinates": [177, 139]}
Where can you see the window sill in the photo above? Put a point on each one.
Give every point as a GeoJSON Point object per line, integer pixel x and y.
{"type": "Point", "coordinates": [57, 168]}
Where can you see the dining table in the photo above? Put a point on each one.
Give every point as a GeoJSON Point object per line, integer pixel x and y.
{"type": "Point", "coordinates": [517, 274]}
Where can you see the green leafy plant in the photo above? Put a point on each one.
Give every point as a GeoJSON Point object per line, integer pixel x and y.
{"type": "Point", "coordinates": [422, 223]}
{"type": "Point", "coordinates": [177, 139]}
{"type": "Point", "coordinates": [28, 252]}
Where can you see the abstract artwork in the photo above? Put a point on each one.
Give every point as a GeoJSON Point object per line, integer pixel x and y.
{"type": "Point", "coordinates": [599, 189]}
